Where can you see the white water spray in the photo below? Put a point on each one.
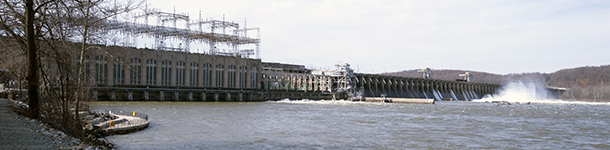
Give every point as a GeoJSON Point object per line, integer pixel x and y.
{"type": "Point", "coordinates": [521, 91]}
{"type": "Point", "coordinates": [529, 92]}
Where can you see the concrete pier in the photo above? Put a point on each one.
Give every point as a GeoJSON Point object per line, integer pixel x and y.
{"type": "Point", "coordinates": [124, 122]}
{"type": "Point", "coordinates": [400, 100]}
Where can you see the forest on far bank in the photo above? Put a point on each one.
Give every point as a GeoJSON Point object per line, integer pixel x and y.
{"type": "Point", "coordinates": [590, 83]}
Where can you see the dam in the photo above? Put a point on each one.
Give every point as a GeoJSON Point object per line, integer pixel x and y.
{"type": "Point", "coordinates": [183, 76]}
{"type": "Point", "coordinates": [171, 71]}
{"type": "Point", "coordinates": [161, 75]}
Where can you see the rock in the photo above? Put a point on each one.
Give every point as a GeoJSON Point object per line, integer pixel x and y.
{"type": "Point", "coordinates": [502, 103]}
{"type": "Point", "coordinates": [76, 142]}
{"type": "Point", "coordinates": [101, 132]}
{"type": "Point", "coordinates": [91, 137]}
{"type": "Point", "coordinates": [89, 127]}
{"type": "Point", "coordinates": [76, 147]}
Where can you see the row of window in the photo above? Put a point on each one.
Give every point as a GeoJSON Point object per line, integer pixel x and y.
{"type": "Point", "coordinates": [101, 69]}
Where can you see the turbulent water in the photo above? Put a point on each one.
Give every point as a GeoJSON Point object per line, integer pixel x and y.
{"type": "Point", "coordinates": [529, 91]}
{"type": "Point", "coordinates": [303, 124]}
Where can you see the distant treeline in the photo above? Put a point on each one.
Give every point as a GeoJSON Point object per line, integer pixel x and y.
{"type": "Point", "coordinates": [585, 83]}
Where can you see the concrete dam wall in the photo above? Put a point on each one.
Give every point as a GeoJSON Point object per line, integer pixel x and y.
{"type": "Point", "coordinates": [372, 85]}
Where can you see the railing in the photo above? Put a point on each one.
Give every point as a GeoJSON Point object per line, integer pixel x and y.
{"type": "Point", "coordinates": [124, 124]}
{"type": "Point", "coordinates": [129, 113]}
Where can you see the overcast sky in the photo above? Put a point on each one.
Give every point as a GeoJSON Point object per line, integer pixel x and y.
{"type": "Point", "coordinates": [496, 36]}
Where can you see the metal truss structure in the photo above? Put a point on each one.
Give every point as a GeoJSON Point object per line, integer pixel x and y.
{"type": "Point", "coordinates": [296, 81]}
{"type": "Point", "coordinates": [161, 32]}
{"type": "Point", "coordinates": [340, 81]}
{"type": "Point", "coordinates": [346, 82]}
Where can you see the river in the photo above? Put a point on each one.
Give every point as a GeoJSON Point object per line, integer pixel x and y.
{"type": "Point", "coordinates": [303, 124]}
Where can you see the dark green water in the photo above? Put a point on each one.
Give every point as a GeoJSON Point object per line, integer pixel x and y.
{"type": "Point", "coordinates": [351, 125]}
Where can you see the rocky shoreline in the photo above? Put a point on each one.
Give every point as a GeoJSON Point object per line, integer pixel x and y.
{"type": "Point", "coordinates": [588, 100]}
{"type": "Point", "coordinates": [59, 138]}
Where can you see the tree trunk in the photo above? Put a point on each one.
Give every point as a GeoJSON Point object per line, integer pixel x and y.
{"type": "Point", "coordinates": [32, 59]}
{"type": "Point", "coordinates": [80, 74]}
{"type": "Point", "coordinates": [79, 86]}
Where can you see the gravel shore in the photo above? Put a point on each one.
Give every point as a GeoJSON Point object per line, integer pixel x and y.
{"type": "Point", "coordinates": [19, 132]}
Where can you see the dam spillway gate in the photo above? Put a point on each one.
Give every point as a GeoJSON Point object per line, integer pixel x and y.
{"type": "Point", "coordinates": [404, 87]}
{"type": "Point", "coordinates": [345, 84]}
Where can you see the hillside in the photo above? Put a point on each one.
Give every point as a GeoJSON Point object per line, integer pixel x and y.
{"type": "Point", "coordinates": [581, 77]}
{"type": "Point", "coordinates": [588, 83]}
{"type": "Point", "coordinates": [452, 75]}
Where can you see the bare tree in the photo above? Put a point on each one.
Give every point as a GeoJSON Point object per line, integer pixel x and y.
{"type": "Point", "coordinates": [92, 14]}
{"type": "Point", "coordinates": [18, 22]}
{"type": "Point", "coordinates": [56, 28]}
